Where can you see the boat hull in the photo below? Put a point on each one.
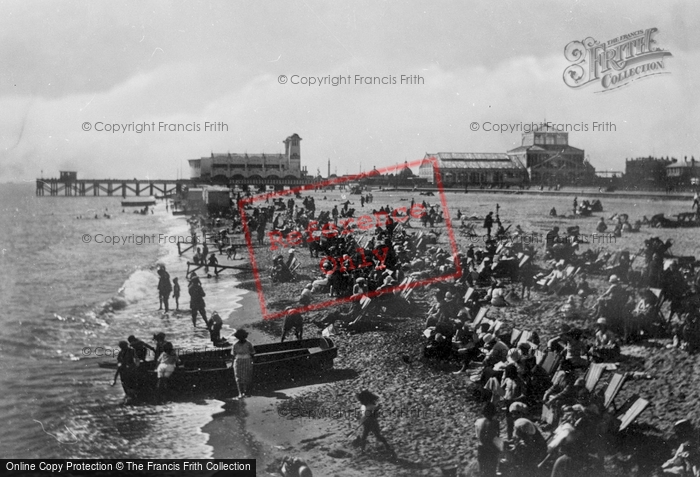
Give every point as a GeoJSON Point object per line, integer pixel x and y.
{"type": "Point", "coordinates": [211, 372]}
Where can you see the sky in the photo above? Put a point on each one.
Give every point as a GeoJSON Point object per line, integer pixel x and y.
{"type": "Point", "coordinates": [70, 66]}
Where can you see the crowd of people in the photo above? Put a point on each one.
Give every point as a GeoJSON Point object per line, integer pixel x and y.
{"type": "Point", "coordinates": [510, 373]}
{"type": "Point", "coordinates": [508, 367]}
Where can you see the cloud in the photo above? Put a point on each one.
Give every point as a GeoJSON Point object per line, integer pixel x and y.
{"type": "Point", "coordinates": [371, 125]}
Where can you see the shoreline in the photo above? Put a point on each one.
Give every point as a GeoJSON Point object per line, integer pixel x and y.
{"type": "Point", "coordinates": [268, 436]}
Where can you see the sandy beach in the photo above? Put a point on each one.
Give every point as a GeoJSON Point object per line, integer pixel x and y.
{"type": "Point", "coordinates": [430, 412]}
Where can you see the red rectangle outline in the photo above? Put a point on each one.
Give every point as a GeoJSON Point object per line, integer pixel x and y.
{"type": "Point", "coordinates": [317, 306]}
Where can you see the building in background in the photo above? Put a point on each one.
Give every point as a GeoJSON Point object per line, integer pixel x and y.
{"type": "Point", "coordinates": [646, 172]}
{"type": "Point", "coordinates": [684, 173]}
{"type": "Point", "coordinates": [473, 169]}
{"type": "Point", "coordinates": [220, 168]}
{"type": "Point", "coordinates": [550, 160]}
{"type": "Point", "coordinates": [543, 158]}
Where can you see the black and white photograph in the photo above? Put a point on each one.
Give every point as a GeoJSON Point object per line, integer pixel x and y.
{"type": "Point", "coordinates": [364, 238]}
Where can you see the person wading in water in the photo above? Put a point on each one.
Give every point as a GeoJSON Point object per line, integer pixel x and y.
{"type": "Point", "coordinates": [197, 299]}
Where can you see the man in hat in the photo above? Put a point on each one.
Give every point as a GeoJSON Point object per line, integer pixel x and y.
{"type": "Point", "coordinates": [451, 306]}
{"type": "Point", "coordinates": [197, 295]}
{"type": "Point", "coordinates": [611, 302]}
{"type": "Point", "coordinates": [606, 346]}
{"type": "Point", "coordinates": [496, 351]}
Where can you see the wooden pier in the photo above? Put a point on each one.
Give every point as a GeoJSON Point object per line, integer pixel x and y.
{"type": "Point", "coordinates": [69, 185]}
{"type": "Point", "coordinates": [72, 187]}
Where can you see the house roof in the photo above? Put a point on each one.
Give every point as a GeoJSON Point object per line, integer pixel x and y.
{"type": "Point", "coordinates": [547, 148]}
{"type": "Point", "coordinates": [683, 164]}
{"type": "Point", "coordinates": [474, 160]}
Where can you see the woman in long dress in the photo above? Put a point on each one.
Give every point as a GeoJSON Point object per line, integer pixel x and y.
{"type": "Point", "coordinates": [243, 352]}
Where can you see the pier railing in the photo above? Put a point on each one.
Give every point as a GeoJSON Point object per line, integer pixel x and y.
{"type": "Point", "coordinates": [109, 187]}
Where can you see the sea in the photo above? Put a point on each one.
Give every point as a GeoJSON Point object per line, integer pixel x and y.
{"type": "Point", "coordinates": [68, 295]}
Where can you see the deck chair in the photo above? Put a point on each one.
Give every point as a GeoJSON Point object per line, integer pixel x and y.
{"type": "Point", "coordinates": [365, 301]}
{"type": "Point", "coordinates": [613, 389]}
{"type": "Point", "coordinates": [629, 411]}
{"type": "Point", "coordinates": [480, 317]}
{"type": "Point", "coordinates": [525, 337]}
{"type": "Point", "coordinates": [659, 302]}
{"type": "Point", "coordinates": [294, 266]}
{"type": "Point", "coordinates": [515, 336]}
{"type": "Point", "coordinates": [468, 295]}
{"type": "Point", "coordinates": [540, 356]}
{"type": "Point", "coordinates": [496, 327]}
{"type": "Point", "coordinates": [523, 260]}
{"type": "Point", "coordinates": [593, 374]}
{"type": "Point", "coordinates": [551, 362]}
{"type": "Point", "coordinates": [407, 288]}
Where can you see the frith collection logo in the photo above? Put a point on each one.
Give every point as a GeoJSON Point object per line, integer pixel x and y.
{"type": "Point", "coordinates": [615, 63]}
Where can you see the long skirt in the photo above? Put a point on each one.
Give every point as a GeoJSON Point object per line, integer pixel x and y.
{"type": "Point", "coordinates": [243, 369]}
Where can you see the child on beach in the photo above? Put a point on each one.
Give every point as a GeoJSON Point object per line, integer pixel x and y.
{"type": "Point", "coordinates": [369, 419]}
{"type": "Point", "coordinates": [176, 294]}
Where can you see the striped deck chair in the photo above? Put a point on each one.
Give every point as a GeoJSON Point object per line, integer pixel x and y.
{"type": "Point", "coordinates": [593, 374]}
{"type": "Point", "coordinates": [365, 301]}
{"type": "Point", "coordinates": [294, 266]}
{"type": "Point", "coordinates": [551, 362]}
{"type": "Point", "coordinates": [613, 389]}
{"type": "Point", "coordinates": [630, 410]}
{"type": "Point", "coordinates": [398, 289]}
{"type": "Point", "coordinates": [523, 260]}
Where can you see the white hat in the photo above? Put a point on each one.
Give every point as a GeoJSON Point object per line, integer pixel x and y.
{"type": "Point", "coordinates": [614, 279]}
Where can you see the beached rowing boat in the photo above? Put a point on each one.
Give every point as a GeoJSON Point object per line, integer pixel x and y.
{"type": "Point", "coordinates": [212, 371]}
{"type": "Point", "coordinates": [139, 202]}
